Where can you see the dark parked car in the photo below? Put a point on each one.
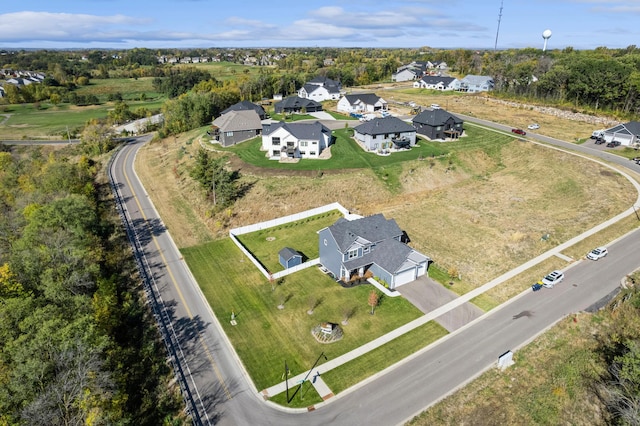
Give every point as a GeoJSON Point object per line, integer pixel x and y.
{"type": "Point", "coordinates": [519, 131]}
{"type": "Point", "coordinates": [599, 141]}
{"type": "Point", "coordinates": [613, 144]}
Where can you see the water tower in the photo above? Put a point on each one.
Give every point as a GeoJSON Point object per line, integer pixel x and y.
{"type": "Point", "coordinates": [546, 34]}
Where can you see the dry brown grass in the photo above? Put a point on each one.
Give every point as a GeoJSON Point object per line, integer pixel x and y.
{"type": "Point", "coordinates": [483, 217]}
{"type": "Point", "coordinates": [531, 391]}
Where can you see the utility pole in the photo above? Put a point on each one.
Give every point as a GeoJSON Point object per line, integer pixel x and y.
{"type": "Point", "coordinates": [495, 46]}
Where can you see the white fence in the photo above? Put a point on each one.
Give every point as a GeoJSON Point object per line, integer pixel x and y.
{"type": "Point", "coordinates": [279, 221]}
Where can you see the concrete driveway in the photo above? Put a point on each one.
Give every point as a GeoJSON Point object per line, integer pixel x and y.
{"type": "Point", "coordinates": [427, 295]}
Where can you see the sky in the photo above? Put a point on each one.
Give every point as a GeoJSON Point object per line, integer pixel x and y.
{"type": "Point", "coordinates": [469, 24]}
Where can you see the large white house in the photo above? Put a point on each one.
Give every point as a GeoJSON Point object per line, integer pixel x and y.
{"type": "Point", "coordinates": [361, 103]}
{"type": "Point", "coordinates": [295, 140]}
{"type": "Point", "coordinates": [321, 89]}
{"type": "Point", "coordinates": [434, 82]}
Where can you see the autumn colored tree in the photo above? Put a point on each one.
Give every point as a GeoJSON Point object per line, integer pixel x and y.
{"type": "Point", "coordinates": [373, 300]}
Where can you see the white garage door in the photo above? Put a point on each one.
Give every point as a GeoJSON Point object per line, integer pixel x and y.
{"type": "Point", "coordinates": [405, 277]}
{"type": "Point", "coordinates": [624, 139]}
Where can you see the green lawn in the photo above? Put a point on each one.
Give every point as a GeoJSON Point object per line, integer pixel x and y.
{"type": "Point", "coordinates": [345, 154]}
{"type": "Point", "coordinates": [223, 71]}
{"type": "Point", "coordinates": [265, 336]}
{"type": "Point", "coordinates": [129, 88]}
{"type": "Point", "coordinates": [301, 236]}
{"type": "Point", "coordinates": [355, 371]}
{"type": "Point", "coordinates": [28, 122]}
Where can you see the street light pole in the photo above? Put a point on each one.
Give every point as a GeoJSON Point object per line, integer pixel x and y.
{"type": "Point", "coordinates": [306, 377]}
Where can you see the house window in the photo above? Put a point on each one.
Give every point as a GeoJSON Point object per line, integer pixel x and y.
{"type": "Point", "coordinates": [314, 143]}
{"type": "Point", "coordinates": [276, 152]}
{"type": "Point", "coordinates": [229, 134]}
{"type": "Point", "coordinates": [353, 253]}
{"type": "Point", "coordinates": [304, 143]}
{"type": "Point", "coordinates": [325, 241]}
{"type": "Point", "coordinates": [366, 249]}
{"type": "Point", "coordinates": [439, 128]}
{"type": "Point", "coordinates": [312, 153]}
{"type": "Point", "coordinates": [275, 141]}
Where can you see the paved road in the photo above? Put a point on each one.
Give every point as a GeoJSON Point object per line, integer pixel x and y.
{"type": "Point", "coordinates": [223, 394]}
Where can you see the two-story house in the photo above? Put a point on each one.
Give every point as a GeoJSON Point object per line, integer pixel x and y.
{"type": "Point", "coordinates": [321, 89]}
{"type": "Point", "coordinates": [295, 140]}
{"type": "Point", "coordinates": [361, 103]}
{"type": "Point", "coordinates": [369, 247]}
{"type": "Point", "coordinates": [385, 133]}
{"type": "Point", "coordinates": [436, 123]}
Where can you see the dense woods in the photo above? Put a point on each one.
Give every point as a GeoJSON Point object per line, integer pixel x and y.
{"type": "Point", "coordinates": [77, 344]}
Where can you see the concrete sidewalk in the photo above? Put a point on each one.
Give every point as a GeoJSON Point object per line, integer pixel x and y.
{"type": "Point", "coordinates": [376, 343]}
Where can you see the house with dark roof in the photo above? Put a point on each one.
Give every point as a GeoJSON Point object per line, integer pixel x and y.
{"type": "Point", "coordinates": [295, 140]}
{"type": "Point", "coordinates": [236, 126]}
{"type": "Point", "coordinates": [361, 103]}
{"type": "Point", "coordinates": [476, 83]}
{"type": "Point", "coordinates": [385, 133]}
{"type": "Point", "coordinates": [247, 106]}
{"type": "Point", "coordinates": [372, 246]}
{"type": "Point", "coordinates": [436, 123]}
{"type": "Point", "coordinates": [289, 257]}
{"type": "Point", "coordinates": [435, 82]}
{"type": "Point", "coordinates": [628, 134]}
{"type": "Point", "coordinates": [296, 105]}
{"type": "Point", "coordinates": [321, 89]}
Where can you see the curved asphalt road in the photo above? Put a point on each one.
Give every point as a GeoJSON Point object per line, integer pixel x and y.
{"type": "Point", "coordinates": [222, 393]}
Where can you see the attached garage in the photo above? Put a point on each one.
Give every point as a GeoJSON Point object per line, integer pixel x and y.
{"type": "Point", "coordinates": [406, 276]}
{"type": "Point", "coordinates": [627, 134]}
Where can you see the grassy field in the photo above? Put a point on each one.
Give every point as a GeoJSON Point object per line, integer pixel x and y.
{"type": "Point", "coordinates": [548, 385]}
{"type": "Point", "coordinates": [265, 336]}
{"type": "Point", "coordinates": [353, 372]}
{"type": "Point", "coordinates": [129, 88]}
{"type": "Point", "coordinates": [223, 71]}
{"type": "Point", "coordinates": [301, 235]}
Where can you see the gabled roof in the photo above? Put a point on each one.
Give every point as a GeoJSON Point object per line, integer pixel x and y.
{"type": "Point", "coordinates": [331, 88]}
{"type": "Point", "coordinates": [434, 79]}
{"type": "Point", "coordinates": [630, 128]}
{"type": "Point", "coordinates": [296, 102]}
{"type": "Point", "coordinates": [476, 79]}
{"type": "Point", "coordinates": [391, 255]}
{"type": "Point", "coordinates": [379, 126]}
{"type": "Point", "coordinates": [435, 117]}
{"type": "Point", "coordinates": [374, 229]}
{"type": "Point", "coordinates": [365, 98]}
{"type": "Point", "coordinates": [304, 131]}
{"type": "Point", "coordinates": [323, 81]}
{"type": "Point", "coordinates": [235, 121]}
{"type": "Point", "coordinates": [245, 106]}
{"type": "Point", "coordinates": [288, 253]}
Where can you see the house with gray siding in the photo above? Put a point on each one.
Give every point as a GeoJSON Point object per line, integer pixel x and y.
{"type": "Point", "coordinates": [436, 123]}
{"type": "Point", "coordinates": [370, 247]}
{"type": "Point", "coordinates": [476, 83]}
{"type": "Point", "coordinates": [236, 126]}
{"type": "Point", "coordinates": [628, 134]}
{"type": "Point", "coordinates": [247, 106]}
{"type": "Point", "coordinates": [385, 133]}
{"type": "Point", "coordinates": [296, 105]}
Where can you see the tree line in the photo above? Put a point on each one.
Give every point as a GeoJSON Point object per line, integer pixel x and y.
{"type": "Point", "coordinates": [77, 342]}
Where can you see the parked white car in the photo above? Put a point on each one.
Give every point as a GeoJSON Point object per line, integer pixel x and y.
{"type": "Point", "coordinates": [597, 253]}
{"type": "Point", "coordinates": [552, 279]}
{"type": "Point", "coordinates": [533, 126]}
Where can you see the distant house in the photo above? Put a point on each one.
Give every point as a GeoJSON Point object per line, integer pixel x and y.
{"type": "Point", "coordinates": [434, 82]}
{"type": "Point", "coordinates": [295, 140]}
{"type": "Point", "coordinates": [236, 126]}
{"type": "Point", "coordinates": [321, 89]}
{"type": "Point", "coordinates": [296, 105]}
{"type": "Point", "coordinates": [405, 74]}
{"type": "Point", "coordinates": [627, 134]}
{"type": "Point", "coordinates": [476, 83]}
{"type": "Point", "coordinates": [438, 124]}
{"type": "Point", "coordinates": [362, 102]}
{"type": "Point", "coordinates": [247, 106]}
{"type": "Point", "coordinates": [385, 133]}
{"type": "Point", "coordinates": [288, 257]}
{"type": "Point", "coordinates": [371, 246]}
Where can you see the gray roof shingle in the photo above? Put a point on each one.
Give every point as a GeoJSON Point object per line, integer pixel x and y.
{"type": "Point", "coordinates": [305, 131]}
{"type": "Point", "coordinates": [373, 228]}
{"type": "Point", "coordinates": [435, 117]}
{"type": "Point", "coordinates": [381, 126]}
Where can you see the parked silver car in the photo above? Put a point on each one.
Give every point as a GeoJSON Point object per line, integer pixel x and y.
{"type": "Point", "coordinates": [552, 279]}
